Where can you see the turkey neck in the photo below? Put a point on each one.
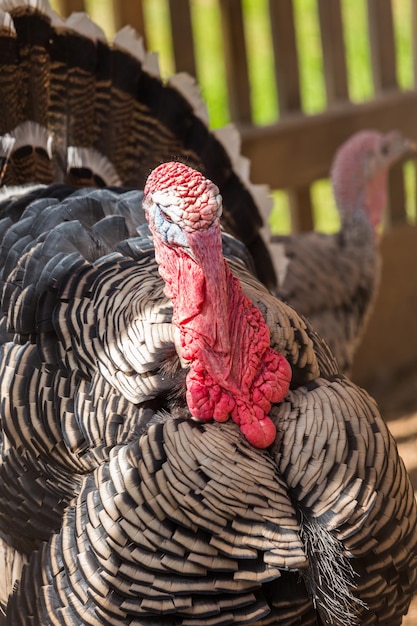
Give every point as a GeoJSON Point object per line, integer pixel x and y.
{"type": "Point", "coordinates": [362, 212]}
{"type": "Point", "coordinates": [199, 289]}
{"type": "Point", "coordinates": [213, 315]}
{"type": "Point", "coordinates": [233, 370]}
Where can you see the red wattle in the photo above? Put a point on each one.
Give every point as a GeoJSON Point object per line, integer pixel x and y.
{"type": "Point", "coordinates": [260, 433]}
{"type": "Point", "coordinates": [233, 372]}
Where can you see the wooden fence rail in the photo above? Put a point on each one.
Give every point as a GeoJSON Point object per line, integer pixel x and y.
{"type": "Point", "coordinates": [297, 150]}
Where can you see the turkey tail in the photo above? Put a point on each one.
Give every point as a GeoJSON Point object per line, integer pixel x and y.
{"type": "Point", "coordinates": [99, 98]}
{"type": "Point", "coordinates": [6, 146]}
{"type": "Point", "coordinates": [9, 75]}
{"type": "Point", "coordinates": [25, 64]}
{"type": "Point", "coordinates": [30, 156]}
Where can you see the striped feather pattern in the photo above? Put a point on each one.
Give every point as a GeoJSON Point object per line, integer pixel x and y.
{"type": "Point", "coordinates": [126, 510]}
{"type": "Point", "coordinates": [115, 506]}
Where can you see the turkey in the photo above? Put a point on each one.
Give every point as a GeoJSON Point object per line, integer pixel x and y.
{"type": "Point", "coordinates": [125, 488]}
{"type": "Point", "coordinates": [178, 446]}
{"type": "Point", "coordinates": [334, 279]}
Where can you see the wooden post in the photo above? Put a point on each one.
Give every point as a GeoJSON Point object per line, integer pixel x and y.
{"type": "Point", "coordinates": [289, 96]}
{"type": "Point", "coordinates": [381, 34]}
{"type": "Point", "coordinates": [396, 197]}
{"type": "Point", "coordinates": [66, 7]}
{"type": "Point", "coordinates": [236, 60]}
{"type": "Point", "coordinates": [182, 36]}
{"type": "Point", "coordinates": [287, 74]}
{"type": "Point", "coordinates": [129, 12]}
{"type": "Point", "coordinates": [334, 55]}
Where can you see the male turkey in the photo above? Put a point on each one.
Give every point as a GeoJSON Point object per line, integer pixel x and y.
{"type": "Point", "coordinates": [124, 485]}
{"type": "Point", "coordinates": [334, 279]}
{"type": "Point", "coordinates": [128, 504]}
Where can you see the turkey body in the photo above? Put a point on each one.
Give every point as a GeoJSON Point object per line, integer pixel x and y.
{"type": "Point", "coordinates": [116, 507]}
{"type": "Point", "coordinates": [333, 280]}
{"type": "Point", "coordinates": [129, 512]}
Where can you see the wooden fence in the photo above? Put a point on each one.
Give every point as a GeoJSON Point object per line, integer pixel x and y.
{"type": "Point", "coordinates": [297, 150]}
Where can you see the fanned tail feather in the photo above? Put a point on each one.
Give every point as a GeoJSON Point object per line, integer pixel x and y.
{"type": "Point", "coordinates": [6, 146]}
{"type": "Point", "coordinates": [94, 97]}
{"type": "Point", "coordinates": [30, 155]}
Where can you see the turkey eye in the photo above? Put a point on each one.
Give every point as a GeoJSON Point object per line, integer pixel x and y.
{"type": "Point", "coordinates": [385, 149]}
{"type": "Point", "coordinates": [165, 215]}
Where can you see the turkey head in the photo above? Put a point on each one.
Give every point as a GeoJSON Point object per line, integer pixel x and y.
{"type": "Point", "coordinates": [233, 370]}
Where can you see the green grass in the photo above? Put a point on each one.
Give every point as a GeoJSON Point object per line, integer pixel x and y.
{"type": "Point", "coordinates": [410, 191]}
{"type": "Point", "coordinates": [313, 92]}
{"type": "Point", "coordinates": [211, 72]}
{"type": "Point", "coordinates": [159, 34]}
{"type": "Point", "coordinates": [280, 218]}
{"type": "Point", "coordinates": [358, 56]}
{"type": "Point", "coordinates": [403, 41]}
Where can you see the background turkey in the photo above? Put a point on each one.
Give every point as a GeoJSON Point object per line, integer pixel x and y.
{"type": "Point", "coordinates": [333, 279]}
{"type": "Point", "coordinates": [125, 509]}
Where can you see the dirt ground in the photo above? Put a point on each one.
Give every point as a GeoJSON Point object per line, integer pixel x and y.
{"type": "Point", "coordinates": [398, 403]}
